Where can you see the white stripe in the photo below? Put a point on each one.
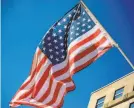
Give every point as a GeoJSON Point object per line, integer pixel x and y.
{"type": "Point", "coordinates": [63, 76]}
{"type": "Point", "coordinates": [43, 89]}
{"type": "Point", "coordinates": [42, 70]}
{"type": "Point", "coordinates": [60, 96]}
{"type": "Point", "coordinates": [51, 92]}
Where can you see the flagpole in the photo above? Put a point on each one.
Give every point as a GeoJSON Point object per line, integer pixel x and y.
{"type": "Point", "coordinates": [108, 35]}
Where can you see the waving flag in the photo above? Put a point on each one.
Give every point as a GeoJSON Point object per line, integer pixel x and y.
{"type": "Point", "coordinates": [71, 44]}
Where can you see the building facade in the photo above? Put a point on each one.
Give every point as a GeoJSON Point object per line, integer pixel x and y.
{"type": "Point", "coordinates": [118, 94]}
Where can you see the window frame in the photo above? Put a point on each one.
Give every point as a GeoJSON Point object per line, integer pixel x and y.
{"type": "Point", "coordinates": [97, 104]}
{"type": "Point", "coordinates": [131, 104]}
{"type": "Point", "coordinates": [115, 95]}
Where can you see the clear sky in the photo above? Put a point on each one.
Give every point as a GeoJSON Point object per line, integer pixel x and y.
{"type": "Point", "coordinates": [24, 23]}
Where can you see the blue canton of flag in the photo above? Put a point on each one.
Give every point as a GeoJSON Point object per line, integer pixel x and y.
{"type": "Point", "coordinates": [74, 24]}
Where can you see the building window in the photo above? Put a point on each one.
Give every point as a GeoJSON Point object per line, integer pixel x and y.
{"type": "Point", "coordinates": [118, 93]}
{"type": "Point", "coordinates": [132, 105]}
{"type": "Point", "coordinates": [100, 102]}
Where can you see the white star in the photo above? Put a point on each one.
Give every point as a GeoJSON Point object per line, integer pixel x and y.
{"type": "Point", "coordinates": [60, 31]}
{"type": "Point", "coordinates": [88, 20]}
{"type": "Point", "coordinates": [71, 38]}
{"type": "Point", "coordinates": [61, 37]}
{"type": "Point", "coordinates": [72, 27]}
{"type": "Point", "coordinates": [63, 56]}
{"type": "Point", "coordinates": [43, 42]}
{"type": "Point", "coordinates": [74, 10]}
{"type": "Point", "coordinates": [83, 30]}
{"type": "Point", "coordinates": [57, 52]}
{"type": "Point", "coordinates": [84, 19]}
{"type": "Point", "coordinates": [50, 50]}
{"type": "Point", "coordinates": [56, 47]}
{"type": "Point", "coordinates": [62, 50]}
{"type": "Point", "coordinates": [55, 41]}
{"type": "Point", "coordinates": [59, 23]}
{"type": "Point", "coordinates": [48, 38]}
{"type": "Point", "coordinates": [89, 26]}
{"type": "Point", "coordinates": [51, 56]}
{"type": "Point", "coordinates": [57, 59]}
{"type": "Point", "coordinates": [62, 44]}
{"type": "Point", "coordinates": [64, 20]}
{"type": "Point", "coordinates": [77, 28]}
{"type": "Point", "coordinates": [54, 34]}
{"type": "Point", "coordinates": [44, 49]}
{"type": "Point", "coordinates": [69, 15]}
{"type": "Point", "coordinates": [65, 26]}
{"type": "Point", "coordinates": [72, 33]}
{"type": "Point", "coordinates": [83, 25]}
{"type": "Point", "coordinates": [78, 23]}
{"type": "Point", "coordinates": [49, 44]}
{"type": "Point", "coordinates": [83, 13]}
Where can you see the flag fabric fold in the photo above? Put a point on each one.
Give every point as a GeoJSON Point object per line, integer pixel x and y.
{"type": "Point", "coordinates": [71, 44]}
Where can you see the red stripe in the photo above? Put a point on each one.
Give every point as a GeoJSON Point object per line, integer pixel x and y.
{"type": "Point", "coordinates": [45, 95]}
{"type": "Point", "coordinates": [42, 80]}
{"type": "Point", "coordinates": [26, 94]}
{"type": "Point", "coordinates": [55, 96]}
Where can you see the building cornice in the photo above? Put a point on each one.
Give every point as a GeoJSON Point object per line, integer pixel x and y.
{"type": "Point", "coordinates": [112, 83]}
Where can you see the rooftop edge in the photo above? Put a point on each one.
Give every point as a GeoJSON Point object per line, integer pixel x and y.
{"type": "Point", "coordinates": [112, 82]}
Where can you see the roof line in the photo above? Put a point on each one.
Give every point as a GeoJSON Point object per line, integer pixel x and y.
{"type": "Point", "coordinates": [113, 82]}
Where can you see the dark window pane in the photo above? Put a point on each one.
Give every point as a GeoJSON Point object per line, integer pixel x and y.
{"type": "Point", "coordinates": [99, 105]}
{"type": "Point", "coordinates": [118, 93]}
{"type": "Point", "coordinates": [132, 105]}
{"type": "Point", "coordinates": [117, 96]}
{"type": "Point", "coordinates": [100, 102]}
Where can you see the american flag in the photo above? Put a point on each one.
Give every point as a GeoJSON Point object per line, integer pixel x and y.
{"type": "Point", "coordinates": [71, 44]}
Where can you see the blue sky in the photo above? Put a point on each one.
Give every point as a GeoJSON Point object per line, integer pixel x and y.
{"type": "Point", "coordinates": [24, 23]}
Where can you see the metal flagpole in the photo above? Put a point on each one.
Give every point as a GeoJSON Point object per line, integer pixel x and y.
{"type": "Point", "coordinates": [108, 35]}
